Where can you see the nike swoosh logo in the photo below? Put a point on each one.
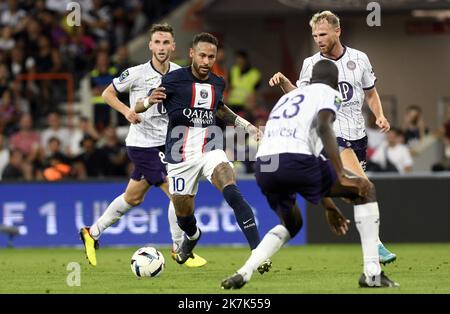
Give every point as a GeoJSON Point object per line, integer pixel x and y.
{"type": "Point", "coordinates": [245, 222]}
{"type": "Point", "coordinates": [202, 103]}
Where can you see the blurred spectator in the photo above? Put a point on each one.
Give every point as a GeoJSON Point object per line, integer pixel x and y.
{"type": "Point", "coordinates": [244, 80]}
{"type": "Point", "coordinates": [7, 42]}
{"type": "Point", "coordinates": [12, 15]}
{"type": "Point", "coordinates": [4, 154]}
{"type": "Point", "coordinates": [19, 64]}
{"type": "Point", "coordinates": [101, 76]}
{"type": "Point", "coordinates": [55, 165]}
{"type": "Point", "coordinates": [92, 158]}
{"type": "Point", "coordinates": [392, 155]}
{"type": "Point", "coordinates": [26, 140]}
{"type": "Point", "coordinates": [122, 61]}
{"type": "Point", "coordinates": [17, 168]}
{"type": "Point", "coordinates": [414, 125]}
{"type": "Point", "coordinates": [444, 133]}
{"type": "Point", "coordinates": [84, 128]}
{"type": "Point", "coordinates": [5, 78]}
{"type": "Point", "coordinates": [115, 153]}
{"type": "Point", "coordinates": [57, 168]}
{"type": "Point", "coordinates": [8, 113]}
{"type": "Point", "coordinates": [55, 130]}
{"type": "Point", "coordinates": [374, 135]}
{"type": "Point", "coordinates": [219, 67]}
{"type": "Point", "coordinates": [99, 19]}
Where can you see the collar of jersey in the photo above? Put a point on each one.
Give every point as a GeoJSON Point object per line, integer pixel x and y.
{"type": "Point", "coordinates": [196, 78]}
{"type": "Point", "coordinates": [154, 69]}
{"type": "Point", "coordinates": [343, 53]}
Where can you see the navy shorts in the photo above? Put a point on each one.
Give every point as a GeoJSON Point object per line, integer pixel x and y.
{"type": "Point", "coordinates": [358, 146]}
{"type": "Point", "coordinates": [148, 164]}
{"type": "Point", "coordinates": [312, 177]}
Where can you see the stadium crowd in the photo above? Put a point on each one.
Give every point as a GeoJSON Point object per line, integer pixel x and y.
{"type": "Point", "coordinates": [36, 145]}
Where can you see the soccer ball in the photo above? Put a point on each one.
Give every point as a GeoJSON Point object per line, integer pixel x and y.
{"type": "Point", "coordinates": [147, 262]}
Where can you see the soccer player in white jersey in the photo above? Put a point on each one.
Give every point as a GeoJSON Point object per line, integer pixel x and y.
{"type": "Point", "coordinates": [300, 126]}
{"type": "Point", "coordinates": [145, 141]}
{"type": "Point", "coordinates": [356, 84]}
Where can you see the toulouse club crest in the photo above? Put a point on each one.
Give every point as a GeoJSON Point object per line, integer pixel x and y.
{"type": "Point", "coordinates": [351, 65]}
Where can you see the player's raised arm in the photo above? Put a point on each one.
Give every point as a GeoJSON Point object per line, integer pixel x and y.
{"type": "Point", "coordinates": [157, 95]}
{"type": "Point", "coordinates": [278, 79]}
{"type": "Point", "coordinates": [230, 117]}
{"type": "Point", "coordinates": [110, 96]}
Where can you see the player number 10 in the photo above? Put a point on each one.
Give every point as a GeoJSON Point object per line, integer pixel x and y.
{"type": "Point", "coordinates": [178, 184]}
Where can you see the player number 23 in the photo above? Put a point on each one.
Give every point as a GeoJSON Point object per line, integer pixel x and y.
{"type": "Point", "coordinates": [289, 112]}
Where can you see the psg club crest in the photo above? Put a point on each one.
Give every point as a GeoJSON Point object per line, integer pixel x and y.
{"type": "Point", "coordinates": [351, 65]}
{"type": "Point", "coordinates": [204, 93]}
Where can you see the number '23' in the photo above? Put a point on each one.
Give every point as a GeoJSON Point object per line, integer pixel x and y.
{"type": "Point", "coordinates": [290, 111]}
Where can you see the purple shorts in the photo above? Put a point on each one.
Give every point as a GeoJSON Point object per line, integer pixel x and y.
{"type": "Point", "coordinates": [358, 146]}
{"type": "Point", "coordinates": [148, 164]}
{"type": "Point", "coordinates": [310, 176]}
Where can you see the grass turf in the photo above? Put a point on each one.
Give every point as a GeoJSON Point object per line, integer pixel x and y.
{"type": "Point", "coordinates": [420, 268]}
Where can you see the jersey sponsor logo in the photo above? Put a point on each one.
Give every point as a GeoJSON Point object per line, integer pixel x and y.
{"type": "Point", "coordinates": [124, 75]}
{"type": "Point", "coordinates": [282, 132]}
{"type": "Point", "coordinates": [351, 65]}
{"type": "Point", "coordinates": [199, 116]}
{"type": "Point", "coordinates": [346, 90]}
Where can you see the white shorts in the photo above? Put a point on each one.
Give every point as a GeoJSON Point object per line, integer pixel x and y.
{"type": "Point", "coordinates": [184, 176]}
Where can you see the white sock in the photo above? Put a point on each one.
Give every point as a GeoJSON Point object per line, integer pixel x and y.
{"type": "Point", "coordinates": [175, 230]}
{"type": "Point", "coordinates": [367, 220]}
{"type": "Point", "coordinates": [270, 244]}
{"type": "Point", "coordinates": [115, 210]}
{"type": "Point", "coordinates": [379, 241]}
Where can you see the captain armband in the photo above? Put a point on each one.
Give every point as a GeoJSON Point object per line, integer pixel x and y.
{"type": "Point", "coordinates": [241, 122]}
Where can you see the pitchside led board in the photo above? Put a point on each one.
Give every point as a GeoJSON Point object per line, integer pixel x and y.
{"type": "Point", "coordinates": [51, 214]}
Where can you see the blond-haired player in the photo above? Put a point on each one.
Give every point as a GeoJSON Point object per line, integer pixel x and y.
{"type": "Point", "coordinates": [356, 84]}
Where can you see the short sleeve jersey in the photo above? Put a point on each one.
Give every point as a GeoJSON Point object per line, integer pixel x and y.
{"type": "Point", "coordinates": [191, 105]}
{"type": "Point", "coordinates": [137, 80]}
{"type": "Point", "coordinates": [291, 127]}
{"type": "Point", "coordinates": [355, 76]}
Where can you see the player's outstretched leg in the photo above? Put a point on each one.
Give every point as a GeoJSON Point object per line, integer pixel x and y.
{"type": "Point", "coordinates": [269, 245]}
{"type": "Point", "coordinates": [223, 178]}
{"type": "Point", "coordinates": [367, 221]}
{"type": "Point", "coordinates": [184, 206]}
{"type": "Point", "coordinates": [90, 235]}
{"type": "Point", "coordinates": [177, 239]}
{"type": "Point", "coordinates": [90, 245]}
{"type": "Point", "coordinates": [355, 161]}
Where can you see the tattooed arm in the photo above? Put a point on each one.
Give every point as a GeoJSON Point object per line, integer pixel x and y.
{"type": "Point", "coordinates": [230, 117]}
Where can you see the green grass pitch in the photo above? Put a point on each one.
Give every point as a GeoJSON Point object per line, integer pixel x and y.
{"type": "Point", "coordinates": [420, 268]}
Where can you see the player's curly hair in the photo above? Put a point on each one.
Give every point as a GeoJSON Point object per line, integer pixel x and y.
{"type": "Point", "coordinates": [164, 27]}
{"type": "Point", "coordinates": [332, 18]}
{"type": "Point", "coordinates": [206, 38]}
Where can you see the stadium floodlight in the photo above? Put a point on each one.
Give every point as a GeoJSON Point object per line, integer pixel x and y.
{"type": "Point", "coordinates": [10, 231]}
